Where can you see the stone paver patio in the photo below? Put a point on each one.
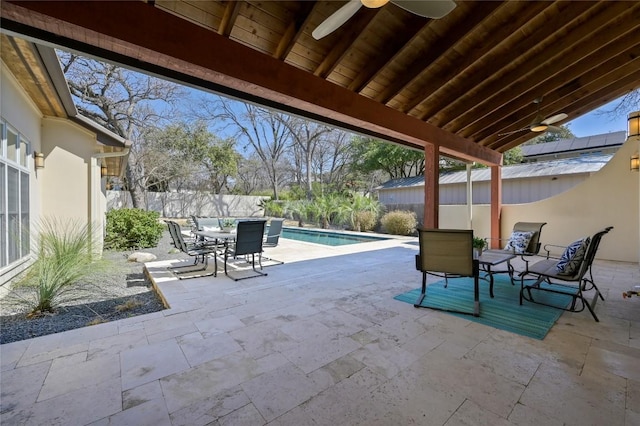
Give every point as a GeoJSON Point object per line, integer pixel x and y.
{"type": "Point", "coordinates": [321, 341]}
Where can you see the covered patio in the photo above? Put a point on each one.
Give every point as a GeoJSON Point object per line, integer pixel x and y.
{"type": "Point", "coordinates": [321, 341]}
{"type": "Point", "coordinates": [469, 85]}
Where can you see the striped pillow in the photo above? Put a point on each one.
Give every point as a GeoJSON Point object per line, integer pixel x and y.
{"type": "Point", "coordinates": [572, 257]}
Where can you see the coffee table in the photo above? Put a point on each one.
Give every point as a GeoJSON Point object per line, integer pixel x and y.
{"type": "Point", "coordinates": [489, 259]}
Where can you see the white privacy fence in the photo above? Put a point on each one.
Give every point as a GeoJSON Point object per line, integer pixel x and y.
{"type": "Point", "coordinates": [187, 203]}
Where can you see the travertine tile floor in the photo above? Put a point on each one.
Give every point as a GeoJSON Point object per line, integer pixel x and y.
{"type": "Point", "coordinates": [320, 341]}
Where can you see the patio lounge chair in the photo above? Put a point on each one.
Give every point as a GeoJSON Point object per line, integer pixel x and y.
{"type": "Point", "coordinates": [273, 237]}
{"type": "Point", "coordinates": [524, 242]}
{"type": "Point", "coordinates": [248, 241]}
{"type": "Point", "coordinates": [273, 233]}
{"type": "Point", "coordinates": [199, 250]}
{"type": "Point", "coordinates": [571, 275]}
{"type": "Point", "coordinates": [447, 253]}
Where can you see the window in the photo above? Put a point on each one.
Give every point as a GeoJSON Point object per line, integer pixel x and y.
{"type": "Point", "coordinates": [14, 196]}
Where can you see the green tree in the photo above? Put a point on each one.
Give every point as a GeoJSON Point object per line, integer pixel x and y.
{"type": "Point", "coordinates": [513, 156]}
{"type": "Point", "coordinates": [370, 155]}
{"type": "Point", "coordinates": [187, 155]}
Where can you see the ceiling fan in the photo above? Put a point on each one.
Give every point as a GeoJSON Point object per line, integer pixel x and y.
{"type": "Point", "coordinates": [541, 124]}
{"type": "Point", "coordinates": [429, 9]}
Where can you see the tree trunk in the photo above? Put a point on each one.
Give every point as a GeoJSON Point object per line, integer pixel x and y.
{"type": "Point", "coordinates": [135, 189]}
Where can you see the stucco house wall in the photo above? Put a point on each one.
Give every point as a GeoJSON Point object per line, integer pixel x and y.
{"type": "Point", "coordinates": [67, 150]}
{"type": "Point", "coordinates": [608, 198]}
{"type": "Point", "coordinates": [611, 197]}
{"type": "Point", "coordinates": [17, 110]}
{"type": "Point", "coordinates": [69, 187]}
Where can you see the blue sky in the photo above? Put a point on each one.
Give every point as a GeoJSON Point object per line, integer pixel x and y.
{"type": "Point", "coordinates": [596, 123]}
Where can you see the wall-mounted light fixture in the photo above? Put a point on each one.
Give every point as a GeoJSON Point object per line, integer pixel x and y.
{"type": "Point", "coordinates": [634, 124]}
{"type": "Point", "coordinates": [38, 160]}
{"type": "Point", "coordinates": [635, 162]}
{"type": "Point", "coordinates": [103, 170]}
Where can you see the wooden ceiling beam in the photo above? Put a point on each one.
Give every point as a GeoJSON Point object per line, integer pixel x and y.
{"type": "Point", "coordinates": [357, 24]}
{"type": "Point", "coordinates": [441, 77]}
{"type": "Point", "coordinates": [608, 58]}
{"type": "Point", "coordinates": [229, 17]}
{"type": "Point", "coordinates": [490, 78]}
{"type": "Point", "coordinates": [585, 104]}
{"type": "Point", "coordinates": [294, 30]}
{"type": "Point", "coordinates": [412, 27]}
{"type": "Point", "coordinates": [533, 73]}
{"type": "Point", "coordinates": [135, 34]}
{"type": "Point", "coordinates": [436, 50]}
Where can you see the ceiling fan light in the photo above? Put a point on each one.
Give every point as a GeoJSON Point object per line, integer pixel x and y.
{"type": "Point", "coordinates": [539, 128]}
{"type": "Point", "coordinates": [373, 4]}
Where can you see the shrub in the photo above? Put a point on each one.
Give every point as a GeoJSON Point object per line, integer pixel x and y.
{"type": "Point", "coordinates": [363, 212]}
{"type": "Point", "coordinates": [132, 229]}
{"type": "Point", "coordinates": [365, 221]}
{"type": "Point", "coordinates": [399, 222]}
{"type": "Point", "coordinates": [62, 257]}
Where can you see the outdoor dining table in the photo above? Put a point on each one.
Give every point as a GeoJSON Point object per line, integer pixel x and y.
{"type": "Point", "coordinates": [216, 236]}
{"type": "Point", "coordinates": [491, 258]}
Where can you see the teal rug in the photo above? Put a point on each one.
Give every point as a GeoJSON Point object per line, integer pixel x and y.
{"type": "Point", "coordinates": [503, 311]}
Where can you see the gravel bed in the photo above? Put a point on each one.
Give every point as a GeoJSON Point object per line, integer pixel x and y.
{"type": "Point", "coordinates": [119, 291]}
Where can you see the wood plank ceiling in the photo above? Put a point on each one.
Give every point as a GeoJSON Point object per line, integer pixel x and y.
{"type": "Point", "coordinates": [474, 73]}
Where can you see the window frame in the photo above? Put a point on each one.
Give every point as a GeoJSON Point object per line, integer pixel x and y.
{"type": "Point", "coordinates": [15, 206]}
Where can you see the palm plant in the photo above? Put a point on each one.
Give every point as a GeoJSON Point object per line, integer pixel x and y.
{"type": "Point", "coordinates": [63, 256]}
{"type": "Point", "coordinates": [363, 212]}
{"type": "Point", "coordinates": [328, 209]}
{"type": "Point", "coordinates": [298, 210]}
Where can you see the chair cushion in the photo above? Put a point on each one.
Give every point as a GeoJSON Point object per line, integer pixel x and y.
{"type": "Point", "coordinates": [519, 241]}
{"type": "Point", "coordinates": [211, 228]}
{"type": "Point", "coordinates": [572, 257]}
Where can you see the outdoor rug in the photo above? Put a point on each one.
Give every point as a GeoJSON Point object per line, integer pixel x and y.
{"type": "Point", "coordinates": [503, 311]}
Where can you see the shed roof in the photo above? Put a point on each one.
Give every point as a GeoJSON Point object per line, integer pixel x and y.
{"type": "Point", "coordinates": [605, 140]}
{"type": "Point", "coordinates": [566, 166]}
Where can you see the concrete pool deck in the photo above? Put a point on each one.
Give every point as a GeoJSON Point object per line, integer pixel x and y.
{"type": "Point", "coordinates": [320, 341]}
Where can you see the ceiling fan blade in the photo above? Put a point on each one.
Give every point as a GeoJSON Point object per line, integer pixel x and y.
{"type": "Point", "coordinates": [338, 18]}
{"type": "Point", "coordinates": [434, 9]}
{"type": "Point", "coordinates": [554, 118]}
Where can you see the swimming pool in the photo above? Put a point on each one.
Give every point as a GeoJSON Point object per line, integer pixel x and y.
{"type": "Point", "coordinates": [328, 238]}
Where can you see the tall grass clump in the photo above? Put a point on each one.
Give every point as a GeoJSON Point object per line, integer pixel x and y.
{"type": "Point", "coordinates": [132, 229]}
{"type": "Point", "coordinates": [63, 256]}
{"type": "Point", "coordinates": [399, 222]}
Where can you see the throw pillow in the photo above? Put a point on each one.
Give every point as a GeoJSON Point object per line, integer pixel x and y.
{"type": "Point", "coordinates": [211, 228]}
{"type": "Point", "coordinates": [519, 241]}
{"type": "Point", "coordinates": [572, 257]}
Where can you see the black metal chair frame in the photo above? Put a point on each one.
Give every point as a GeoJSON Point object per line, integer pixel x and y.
{"type": "Point", "coordinates": [200, 251]}
{"type": "Point", "coordinates": [447, 253]}
{"type": "Point", "coordinates": [545, 271]}
{"type": "Point", "coordinates": [248, 241]}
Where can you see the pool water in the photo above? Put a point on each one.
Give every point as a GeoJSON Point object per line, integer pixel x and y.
{"type": "Point", "coordinates": [328, 238]}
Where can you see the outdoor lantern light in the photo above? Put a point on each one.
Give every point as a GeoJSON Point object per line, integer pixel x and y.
{"type": "Point", "coordinates": [634, 124]}
{"type": "Point", "coordinates": [635, 162]}
{"type": "Point", "coordinates": [103, 170]}
{"type": "Point", "coordinates": [374, 3]}
{"type": "Point", "coordinates": [38, 160]}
